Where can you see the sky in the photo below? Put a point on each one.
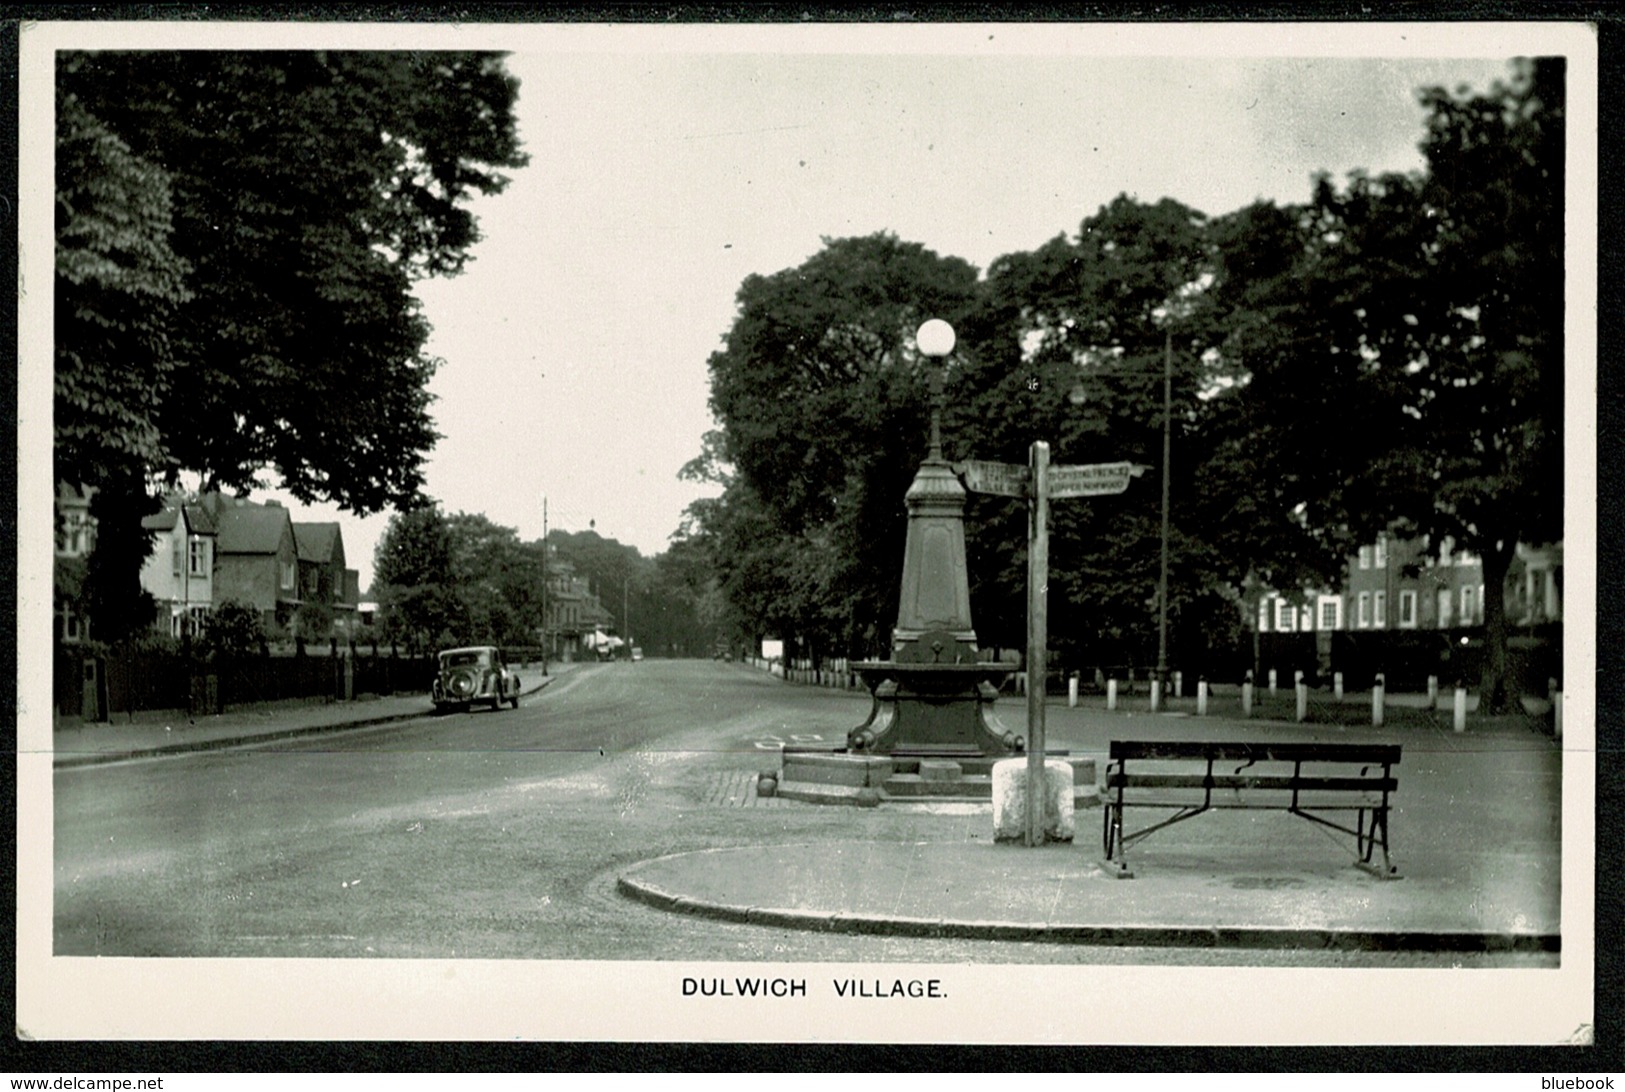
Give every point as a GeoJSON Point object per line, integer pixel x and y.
{"type": "Point", "coordinates": [665, 169]}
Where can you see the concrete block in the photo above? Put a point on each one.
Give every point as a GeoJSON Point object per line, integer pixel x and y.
{"type": "Point", "coordinates": [1010, 800]}
{"type": "Point", "coordinates": [936, 769]}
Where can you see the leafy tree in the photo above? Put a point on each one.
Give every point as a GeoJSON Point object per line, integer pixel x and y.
{"type": "Point", "coordinates": [1071, 348]}
{"type": "Point", "coordinates": [237, 237]}
{"type": "Point", "coordinates": [1402, 338]}
{"type": "Point", "coordinates": [823, 404]}
{"type": "Point", "coordinates": [498, 579]}
{"type": "Point", "coordinates": [413, 573]}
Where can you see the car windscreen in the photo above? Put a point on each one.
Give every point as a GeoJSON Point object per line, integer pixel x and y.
{"type": "Point", "coordinates": [462, 659]}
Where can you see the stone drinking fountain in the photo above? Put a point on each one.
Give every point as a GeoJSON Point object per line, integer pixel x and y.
{"type": "Point", "coordinates": [932, 732]}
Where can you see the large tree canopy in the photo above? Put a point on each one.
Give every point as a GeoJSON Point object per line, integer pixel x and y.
{"type": "Point", "coordinates": [823, 403]}
{"type": "Point", "coordinates": [307, 191]}
{"type": "Point", "coordinates": [237, 237]}
{"type": "Point", "coordinates": [1388, 352]}
{"type": "Point", "coordinates": [1402, 344]}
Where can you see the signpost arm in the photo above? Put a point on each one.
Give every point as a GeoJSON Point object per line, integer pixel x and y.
{"type": "Point", "coordinates": [1037, 630]}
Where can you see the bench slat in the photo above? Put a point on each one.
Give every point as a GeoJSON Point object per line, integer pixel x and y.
{"type": "Point", "coordinates": [1284, 782]}
{"type": "Point", "coordinates": [1369, 753]}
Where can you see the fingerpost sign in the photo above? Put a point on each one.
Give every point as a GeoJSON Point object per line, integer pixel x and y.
{"type": "Point", "coordinates": [1040, 483]}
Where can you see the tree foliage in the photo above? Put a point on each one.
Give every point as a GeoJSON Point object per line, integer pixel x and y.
{"type": "Point", "coordinates": [1402, 339]}
{"type": "Point", "coordinates": [308, 190]}
{"type": "Point", "coordinates": [237, 235]}
{"type": "Point", "coordinates": [1389, 350]}
{"type": "Point", "coordinates": [822, 399]}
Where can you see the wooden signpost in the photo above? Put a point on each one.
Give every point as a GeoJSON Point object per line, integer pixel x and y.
{"type": "Point", "coordinates": [1040, 483]}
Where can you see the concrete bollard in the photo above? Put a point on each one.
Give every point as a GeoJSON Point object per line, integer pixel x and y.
{"type": "Point", "coordinates": [1201, 697]}
{"type": "Point", "coordinates": [1021, 682]}
{"type": "Point", "coordinates": [1010, 800]}
{"type": "Point", "coordinates": [1557, 714]}
{"type": "Point", "coordinates": [1303, 702]}
{"type": "Point", "coordinates": [1072, 691]}
{"type": "Point", "coordinates": [1458, 720]}
{"type": "Point", "coordinates": [1179, 685]}
{"type": "Point", "coordinates": [1272, 680]}
{"type": "Point", "coordinates": [1111, 695]}
{"type": "Point", "coordinates": [1378, 698]}
{"type": "Point", "coordinates": [1156, 694]}
{"type": "Point", "coordinates": [1433, 691]}
{"type": "Point", "coordinates": [1247, 697]}
{"type": "Point", "coordinates": [1337, 685]}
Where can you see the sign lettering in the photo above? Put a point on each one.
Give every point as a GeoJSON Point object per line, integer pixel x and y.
{"type": "Point", "coordinates": [1091, 480]}
{"type": "Point", "coordinates": [1002, 479]}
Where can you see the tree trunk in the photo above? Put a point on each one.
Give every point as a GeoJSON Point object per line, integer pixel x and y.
{"type": "Point", "coordinates": [1498, 692]}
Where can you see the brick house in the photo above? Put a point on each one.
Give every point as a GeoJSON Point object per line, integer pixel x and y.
{"type": "Point", "coordinates": [1392, 584]}
{"type": "Point", "coordinates": [323, 579]}
{"type": "Point", "coordinates": [256, 559]}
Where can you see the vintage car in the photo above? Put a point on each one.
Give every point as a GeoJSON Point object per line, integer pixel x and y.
{"type": "Point", "coordinates": [476, 675]}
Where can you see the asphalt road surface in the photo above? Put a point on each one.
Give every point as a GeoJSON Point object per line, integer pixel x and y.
{"type": "Point", "coordinates": [494, 835]}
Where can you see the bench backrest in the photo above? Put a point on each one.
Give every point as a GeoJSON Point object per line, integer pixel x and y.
{"type": "Point", "coordinates": [1375, 754]}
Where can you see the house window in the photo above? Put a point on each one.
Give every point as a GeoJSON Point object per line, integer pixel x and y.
{"type": "Point", "coordinates": [1379, 609]}
{"type": "Point", "coordinates": [288, 571]}
{"type": "Point", "coordinates": [1407, 610]}
{"type": "Point", "coordinates": [1380, 559]}
{"type": "Point", "coordinates": [75, 534]}
{"type": "Point", "coordinates": [1365, 557]}
{"type": "Point", "coordinates": [1468, 607]}
{"type": "Point", "coordinates": [1364, 614]}
{"type": "Point", "coordinates": [1285, 616]}
{"type": "Point", "coordinates": [1330, 609]}
{"type": "Point", "coordinates": [1444, 608]}
{"type": "Point", "coordinates": [199, 554]}
{"type": "Point", "coordinates": [1263, 615]}
{"type": "Point", "coordinates": [175, 557]}
{"type": "Point", "coordinates": [1306, 620]}
{"type": "Point", "coordinates": [71, 624]}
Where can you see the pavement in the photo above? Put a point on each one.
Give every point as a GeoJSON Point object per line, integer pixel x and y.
{"type": "Point", "coordinates": [1475, 834]}
{"type": "Point", "coordinates": [174, 732]}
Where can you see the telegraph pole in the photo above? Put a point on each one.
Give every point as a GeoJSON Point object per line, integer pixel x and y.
{"type": "Point", "coordinates": [1167, 450]}
{"type": "Point", "coordinates": [545, 626]}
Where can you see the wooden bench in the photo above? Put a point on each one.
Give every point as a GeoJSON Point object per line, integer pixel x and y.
{"type": "Point", "coordinates": [1311, 780]}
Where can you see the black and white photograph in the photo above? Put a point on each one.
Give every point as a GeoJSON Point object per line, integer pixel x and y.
{"type": "Point", "coordinates": [1019, 533]}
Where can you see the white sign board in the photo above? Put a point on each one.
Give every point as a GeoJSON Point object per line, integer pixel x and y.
{"type": "Point", "coordinates": [1091, 480]}
{"type": "Point", "coordinates": [1003, 479]}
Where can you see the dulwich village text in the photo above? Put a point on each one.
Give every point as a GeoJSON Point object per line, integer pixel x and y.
{"type": "Point", "coordinates": [797, 987]}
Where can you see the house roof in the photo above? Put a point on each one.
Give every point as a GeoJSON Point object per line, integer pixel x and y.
{"type": "Point", "coordinates": [198, 519]}
{"type": "Point", "coordinates": [251, 528]}
{"type": "Point", "coordinates": [317, 541]}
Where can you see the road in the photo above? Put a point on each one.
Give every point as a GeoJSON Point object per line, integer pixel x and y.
{"type": "Point", "coordinates": [492, 835]}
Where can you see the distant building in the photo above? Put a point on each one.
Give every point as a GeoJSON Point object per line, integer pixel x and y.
{"type": "Point", "coordinates": [256, 559]}
{"type": "Point", "coordinates": [75, 541]}
{"type": "Point", "coordinates": [574, 612]}
{"type": "Point", "coordinates": [1392, 583]}
{"type": "Point", "coordinates": [179, 573]}
{"type": "Point", "coordinates": [323, 579]}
